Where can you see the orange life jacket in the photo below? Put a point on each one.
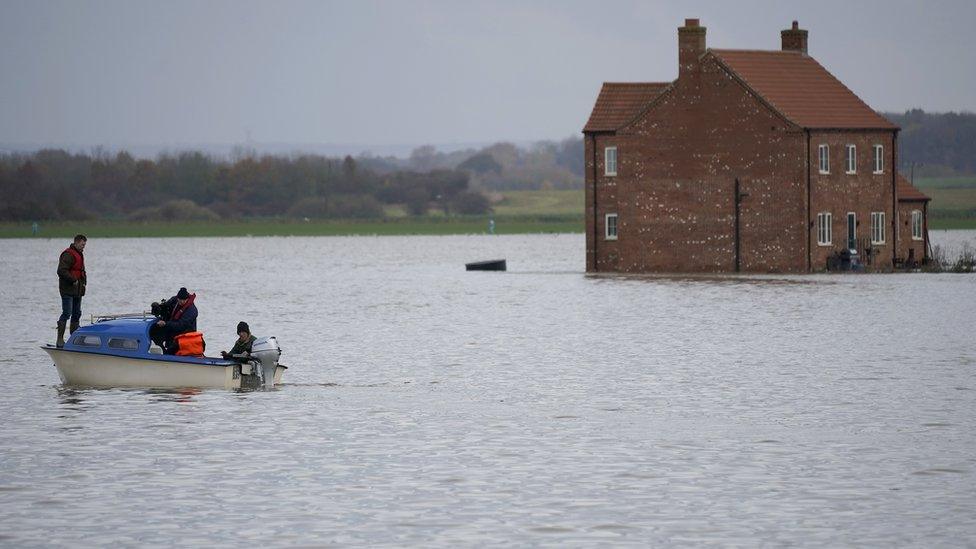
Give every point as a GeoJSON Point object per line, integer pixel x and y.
{"type": "Point", "coordinates": [77, 270]}
{"type": "Point", "coordinates": [190, 344]}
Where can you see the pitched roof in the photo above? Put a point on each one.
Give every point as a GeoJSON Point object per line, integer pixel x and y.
{"type": "Point", "coordinates": [801, 89]}
{"type": "Point", "coordinates": [619, 102]}
{"type": "Point", "coordinates": [907, 192]}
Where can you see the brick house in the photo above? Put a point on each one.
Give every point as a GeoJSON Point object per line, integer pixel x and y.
{"type": "Point", "coordinates": [757, 161]}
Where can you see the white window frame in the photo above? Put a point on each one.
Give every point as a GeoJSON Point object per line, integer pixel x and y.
{"type": "Point", "coordinates": [606, 226]}
{"type": "Point", "coordinates": [917, 225]}
{"type": "Point", "coordinates": [823, 152]}
{"type": "Point", "coordinates": [607, 163]}
{"type": "Point", "coordinates": [877, 227]}
{"type": "Point", "coordinates": [850, 161]}
{"type": "Point", "coordinates": [825, 232]}
{"type": "Point", "coordinates": [878, 159]}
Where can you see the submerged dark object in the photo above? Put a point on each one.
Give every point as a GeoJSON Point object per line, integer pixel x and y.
{"type": "Point", "coordinates": [492, 265]}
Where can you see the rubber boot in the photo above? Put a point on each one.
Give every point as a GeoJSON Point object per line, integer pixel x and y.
{"type": "Point", "coordinates": [60, 342]}
{"type": "Point", "coordinates": [74, 326]}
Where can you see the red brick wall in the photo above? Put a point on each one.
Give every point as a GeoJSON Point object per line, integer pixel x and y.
{"type": "Point", "coordinates": [677, 165]}
{"type": "Point", "coordinates": [606, 202]}
{"type": "Point", "coordinates": [862, 193]}
{"type": "Point", "coordinates": [905, 241]}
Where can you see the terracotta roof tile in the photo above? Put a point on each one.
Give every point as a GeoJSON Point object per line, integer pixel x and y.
{"type": "Point", "coordinates": [907, 192]}
{"type": "Point", "coordinates": [801, 89]}
{"type": "Point", "coordinates": [619, 102]}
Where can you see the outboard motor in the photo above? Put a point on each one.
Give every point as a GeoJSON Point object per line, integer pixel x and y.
{"type": "Point", "coordinates": [266, 352]}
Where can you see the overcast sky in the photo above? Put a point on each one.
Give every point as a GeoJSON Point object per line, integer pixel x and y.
{"type": "Point", "coordinates": [114, 73]}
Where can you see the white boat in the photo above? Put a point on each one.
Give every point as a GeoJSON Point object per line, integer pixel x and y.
{"type": "Point", "coordinates": [117, 352]}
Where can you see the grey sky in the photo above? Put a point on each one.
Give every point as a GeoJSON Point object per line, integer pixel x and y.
{"type": "Point", "coordinates": [366, 72]}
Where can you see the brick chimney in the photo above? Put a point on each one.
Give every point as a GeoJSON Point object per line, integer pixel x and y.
{"type": "Point", "coordinates": [691, 44]}
{"type": "Point", "coordinates": [795, 39]}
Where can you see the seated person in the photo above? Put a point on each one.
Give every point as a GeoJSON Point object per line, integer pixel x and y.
{"type": "Point", "coordinates": [243, 343]}
{"type": "Point", "coordinates": [181, 320]}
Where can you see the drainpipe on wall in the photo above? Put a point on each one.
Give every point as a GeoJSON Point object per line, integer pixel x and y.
{"type": "Point", "coordinates": [739, 195]}
{"type": "Point", "coordinates": [894, 196]}
{"type": "Point", "coordinates": [925, 224]}
{"type": "Point", "coordinates": [809, 226]}
{"type": "Point", "coordinates": [596, 215]}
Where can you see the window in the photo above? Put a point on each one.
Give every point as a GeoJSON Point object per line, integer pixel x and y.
{"type": "Point", "coordinates": [824, 232]}
{"type": "Point", "coordinates": [877, 228]}
{"type": "Point", "coordinates": [610, 164]}
{"type": "Point", "coordinates": [124, 343]}
{"type": "Point", "coordinates": [878, 159]}
{"type": "Point", "coordinates": [851, 159]}
{"type": "Point", "coordinates": [88, 341]}
{"type": "Point", "coordinates": [916, 225]}
{"type": "Point", "coordinates": [824, 158]}
{"type": "Point", "coordinates": [611, 227]}
{"type": "Point", "coordinates": [851, 230]}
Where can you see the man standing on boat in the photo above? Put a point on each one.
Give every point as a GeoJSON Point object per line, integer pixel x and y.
{"type": "Point", "coordinates": [72, 281]}
{"type": "Point", "coordinates": [183, 319]}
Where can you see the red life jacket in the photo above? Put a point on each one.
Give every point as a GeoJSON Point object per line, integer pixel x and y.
{"type": "Point", "coordinates": [78, 269]}
{"type": "Point", "coordinates": [178, 312]}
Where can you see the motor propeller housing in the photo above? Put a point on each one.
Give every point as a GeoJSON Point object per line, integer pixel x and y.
{"type": "Point", "coordinates": [266, 351]}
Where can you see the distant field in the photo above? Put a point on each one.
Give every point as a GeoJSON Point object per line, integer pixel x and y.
{"type": "Point", "coordinates": [952, 199]}
{"type": "Point", "coordinates": [519, 212]}
{"type": "Point", "coordinates": [946, 182]}
{"type": "Point", "coordinates": [953, 204]}
{"type": "Point", "coordinates": [403, 226]}
{"type": "Point", "coordinates": [954, 223]}
{"type": "Point", "coordinates": [541, 203]}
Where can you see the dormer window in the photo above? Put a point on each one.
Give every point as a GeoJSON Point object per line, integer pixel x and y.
{"type": "Point", "coordinates": [824, 151]}
{"type": "Point", "coordinates": [610, 161]}
{"type": "Point", "coordinates": [851, 159]}
{"type": "Point", "coordinates": [878, 159]}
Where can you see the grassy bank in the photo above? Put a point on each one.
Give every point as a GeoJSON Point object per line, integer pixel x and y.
{"type": "Point", "coordinates": [953, 206]}
{"type": "Point", "coordinates": [519, 212]}
{"type": "Point", "coordinates": [401, 226]}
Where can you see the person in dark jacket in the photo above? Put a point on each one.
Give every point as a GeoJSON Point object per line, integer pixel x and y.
{"type": "Point", "coordinates": [181, 320]}
{"type": "Point", "coordinates": [72, 282]}
{"type": "Point", "coordinates": [243, 344]}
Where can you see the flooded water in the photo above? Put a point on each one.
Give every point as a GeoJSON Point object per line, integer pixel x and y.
{"type": "Point", "coordinates": [429, 406]}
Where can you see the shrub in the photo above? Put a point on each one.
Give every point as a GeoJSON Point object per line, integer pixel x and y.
{"type": "Point", "coordinates": [175, 210]}
{"type": "Point", "coordinates": [355, 206]}
{"type": "Point", "coordinates": [418, 201]}
{"type": "Point", "coordinates": [470, 203]}
{"type": "Point", "coordinates": [312, 207]}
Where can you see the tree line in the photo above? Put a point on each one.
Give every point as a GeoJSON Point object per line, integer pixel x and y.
{"type": "Point", "coordinates": [58, 185]}
{"type": "Point", "coordinates": [940, 144]}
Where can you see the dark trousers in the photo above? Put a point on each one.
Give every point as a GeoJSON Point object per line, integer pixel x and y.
{"type": "Point", "coordinates": [70, 308]}
{"type": "Point", "coordinates": [162, 337]}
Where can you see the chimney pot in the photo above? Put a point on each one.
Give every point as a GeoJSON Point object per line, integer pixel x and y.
{"type": "Point", "coordinates": [794, 39]}
{"type": "Point", "coordinates": [691, 22]}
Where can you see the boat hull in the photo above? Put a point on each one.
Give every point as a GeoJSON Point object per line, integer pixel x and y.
{"type": "Point", "coordinates": [82, 369]}
{"type": "Point", "coordinates": [492, 265]}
